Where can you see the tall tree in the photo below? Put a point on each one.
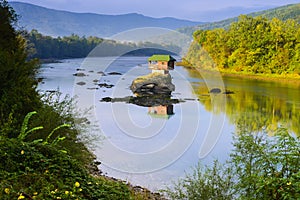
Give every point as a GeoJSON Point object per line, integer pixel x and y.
{"type": "Point", "coordinates": [18, 94]}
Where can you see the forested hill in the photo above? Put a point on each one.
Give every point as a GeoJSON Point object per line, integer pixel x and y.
{"type": "Point", "coordinates": [61, 23]}
{"type": "Point", "coordinates": [249, 46]}
{"type": "Point", "coordinates": [73, 46]}
{"type": "Point", "coordinates": [283, 13]}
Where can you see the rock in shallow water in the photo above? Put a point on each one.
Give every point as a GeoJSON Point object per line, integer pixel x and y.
{"type": "Point", "coordinates": [154, 83]}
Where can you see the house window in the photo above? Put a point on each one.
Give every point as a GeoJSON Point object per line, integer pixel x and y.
{"type": "Point", "coordinates": [162, 63]}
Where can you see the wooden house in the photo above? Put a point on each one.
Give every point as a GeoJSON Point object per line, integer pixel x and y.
{"type": "Point", "coordinates": [161, 63]}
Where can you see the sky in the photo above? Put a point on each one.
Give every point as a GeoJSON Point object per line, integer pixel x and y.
{"type": "Point", "coordinates": [195, 10]}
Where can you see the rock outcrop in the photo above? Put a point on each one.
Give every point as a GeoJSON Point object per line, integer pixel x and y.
{"type": "Point", "coordinates": [154, 83]}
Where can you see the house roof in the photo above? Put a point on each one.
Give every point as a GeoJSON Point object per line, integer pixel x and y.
{"type": "Point", "coordinates": [157, 57]}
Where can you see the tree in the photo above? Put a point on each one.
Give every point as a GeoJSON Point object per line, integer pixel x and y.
{"type": "Point", "coordinates": [251, 45]}
{"type": "Point", "coordinates": [18, 94]}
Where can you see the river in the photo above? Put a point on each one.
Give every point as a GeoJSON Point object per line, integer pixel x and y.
{"type": "Point", "coordinates": [153, 146]}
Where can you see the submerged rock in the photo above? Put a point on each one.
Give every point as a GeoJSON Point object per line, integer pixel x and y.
{"type": "Point", "coordinates": [154, 83]}
{"type": "Point", "coordinates": [101, 73]}
{"type": "Point", "coordinates": [215, 91]}
{"type": "Point", "coordinates": [105, 85]}
{"type": "Point", "coordinates": [81, 83]}
{"type": "Point", "coordinates": [218, 91]}
{"type": "Point", "coordinates": [79, 74]}
{"type": "Point", "coordinates": [114, 73]}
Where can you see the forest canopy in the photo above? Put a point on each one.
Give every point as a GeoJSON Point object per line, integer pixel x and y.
{"type": "Point", "coordinates": [73, 46]}
{"type": "Point", "coordinates": [251, 45]}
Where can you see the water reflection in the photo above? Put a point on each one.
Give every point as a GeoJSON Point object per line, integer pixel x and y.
{"type": "Point", "coordinates": [255, 104]}
{"type": "Point", "coordinates": [161, 111]}
{"type": "Point", "coordinates": [159, 106]}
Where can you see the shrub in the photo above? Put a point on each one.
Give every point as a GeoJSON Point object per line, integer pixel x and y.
{"type": "Point", "coordinates": [259, 167]}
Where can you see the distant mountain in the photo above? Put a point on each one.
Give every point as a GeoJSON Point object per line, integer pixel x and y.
{"type": "Point", "coordinates": [61, 23]}
{"type": "Point", "coordinates": [283, 13]}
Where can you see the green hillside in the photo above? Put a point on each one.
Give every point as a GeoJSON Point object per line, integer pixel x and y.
{"type": "Point", "coordinates": [283, 13]}
{"type": "Point", "coordinates": [252, 45]}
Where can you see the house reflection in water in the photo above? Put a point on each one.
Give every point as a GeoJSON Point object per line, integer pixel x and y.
{"type": "Point", "coordinates": [161, 111]}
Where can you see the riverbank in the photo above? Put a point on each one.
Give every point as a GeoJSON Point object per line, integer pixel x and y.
{"type": "Point", "coordinates": [286, 78]}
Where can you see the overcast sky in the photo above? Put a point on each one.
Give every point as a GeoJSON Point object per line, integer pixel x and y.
{"type": "Point", "coordinates": [196, 10]}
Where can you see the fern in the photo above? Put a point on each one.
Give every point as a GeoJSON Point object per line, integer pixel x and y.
{"type": "Point", "coordinates": [24, 132]}
{"type": "Point", "coordinates": [58, 138]}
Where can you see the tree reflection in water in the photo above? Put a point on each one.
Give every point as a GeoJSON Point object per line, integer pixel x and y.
{"type": "Point", "coordinates": [254, 104]}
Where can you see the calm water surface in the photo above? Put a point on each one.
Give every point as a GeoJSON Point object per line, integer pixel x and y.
{"type": "Point", "coordinates": [151, 147]}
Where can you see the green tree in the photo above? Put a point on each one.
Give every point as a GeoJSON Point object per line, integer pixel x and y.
{"type": "Point", "coordinates": [259, 167]}
{"type": "Point", "coordinates": [17, 86]}
{"type": "Point", "coordinates": [266, 168]}
{"type": "Point", "coordinates": [250, 45]}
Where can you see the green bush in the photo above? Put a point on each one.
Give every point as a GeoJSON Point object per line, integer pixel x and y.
{"type": "Point", "coordinates": [267, 167]}
{"type": "Point", "coordinates": [259, 167]}
{"type": "Point", "coordinates": [215, 182]}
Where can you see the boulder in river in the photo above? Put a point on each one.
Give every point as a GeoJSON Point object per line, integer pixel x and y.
{"type": "Point", "coordinates": [215, 91]}
{"type": "Point", "coordinates": [79, 74]}
{"type": "Point", "coordinates": [154, 83]}
{"type": "Point", "coordinates": [114, 73]}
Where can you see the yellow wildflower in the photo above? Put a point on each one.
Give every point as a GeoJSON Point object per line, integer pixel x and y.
{"type": "Point", "coordinates": [22, 152]}
{"type": "Point", "coordinates": [66, 192]}
{"type": "Point", "coordinates": [21, 197]}
{"type": "Point", "coordinates": [289, 183]}
{"type": "Point", "coordinates": [35, 193]}
{"type": "Point", "coordinates": [7, 190]}
{"type": "Point", "coordinates": [58, 197]}
{"type": "Point", "coordinates": [77, 184]}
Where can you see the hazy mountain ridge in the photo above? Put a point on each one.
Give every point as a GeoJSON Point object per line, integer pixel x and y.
{"type": "Point", "coordinates": [291, 11]}
{"type": "Point", "coordinates": [61, 23]}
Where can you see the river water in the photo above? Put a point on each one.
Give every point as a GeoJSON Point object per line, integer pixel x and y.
{"type": "Point", "coordinates": [154, 145]}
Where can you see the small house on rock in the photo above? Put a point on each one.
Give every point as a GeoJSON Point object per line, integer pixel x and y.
{"type": "Point", "coordinates": [161, 63]}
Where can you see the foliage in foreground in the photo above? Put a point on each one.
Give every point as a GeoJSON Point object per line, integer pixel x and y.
{"type": "Point", "coordinates": [42, 155]}
{"type": "Point", "coordinates": [42, 172]}
{"type": "Point", "coordinates": [260, 167]}
{"type": "Point", "coordinates": [205, 183]}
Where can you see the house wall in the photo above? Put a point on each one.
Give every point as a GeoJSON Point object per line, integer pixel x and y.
{"type": "Point", "coordinates": [160, 65]}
